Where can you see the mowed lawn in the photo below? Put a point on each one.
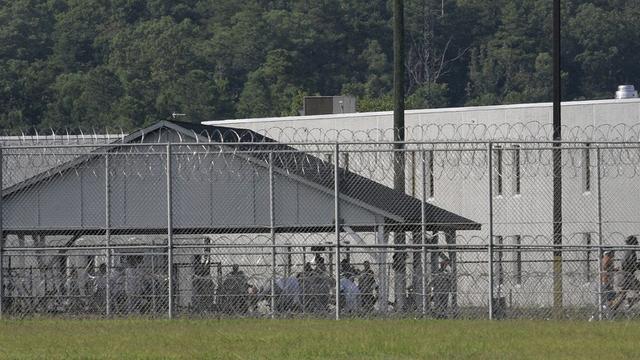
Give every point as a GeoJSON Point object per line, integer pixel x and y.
{"type": "Point", "coordinates": [318, 339]}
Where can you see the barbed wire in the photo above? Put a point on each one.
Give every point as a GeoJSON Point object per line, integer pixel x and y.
{"type": "Point", "coordinates": [235, 161]}
{"type": "Point", "coordinates": [369, 153]}
{"type": "Point", "coordinates": [470, 131]}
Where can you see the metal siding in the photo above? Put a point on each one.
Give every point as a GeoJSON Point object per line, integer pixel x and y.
{"type": "Point", "coordinates": [118, 184]}
{"type": "Point", "coordinates": [146, 202]}
{"type": "Point", "coordinates": [60, 201]}
{"type": "Point", "coordinates": [315, 207]}
{"type": "Point", "coordinates": [191, 196]}
{"type": "Point", "coordinates": [93, 195]}
{"type": "Point", "coordinates": [21, 210]}
{"type": "Point", "coordinates": [232, 198]}
{"type": "Point", "coordinates": [285, 201]}
{"type": "Point", "coordinates": [261, 196]}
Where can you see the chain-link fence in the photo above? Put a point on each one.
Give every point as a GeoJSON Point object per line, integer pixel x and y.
{"type": "Point", "coordinates": [335, 230]}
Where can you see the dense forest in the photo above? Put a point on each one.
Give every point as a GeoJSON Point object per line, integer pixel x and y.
{"type": "Point", "coordinates": [127, 63]}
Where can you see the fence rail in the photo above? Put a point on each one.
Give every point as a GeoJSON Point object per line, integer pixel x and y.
{"type": "Point", "coordinates": [317, 229]}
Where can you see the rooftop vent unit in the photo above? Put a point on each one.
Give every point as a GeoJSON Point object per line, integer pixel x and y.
{"type": "Point", "coordinates": [323, 105]}
{"type": "Point", "coordinates": [626, 92]}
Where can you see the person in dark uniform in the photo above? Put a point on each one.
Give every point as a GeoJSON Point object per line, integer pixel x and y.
{"type": "Point", "coordinates": [627, 277]}
{"type": "Point", "coordinates": [234, 291]}
{"type": "Point", "coordinates": [368, 286]}
{"type": "Point", "coordinates": [203, 288]}
{"type": "Point", "coordinates": [441, 288]}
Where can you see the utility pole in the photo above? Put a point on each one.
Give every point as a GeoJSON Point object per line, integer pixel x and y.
{"type": "Point", "coordinates": [399, 256]}
{"type": "Point", "coordinates": [557, 165]}
{"type": "Point", "coordinates": [398, 76]}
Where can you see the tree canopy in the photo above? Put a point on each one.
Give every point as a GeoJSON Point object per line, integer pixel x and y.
{"type": "Point", "coordinates": [128, 63]}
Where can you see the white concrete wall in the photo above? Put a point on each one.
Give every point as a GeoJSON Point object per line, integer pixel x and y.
{"type": "Point", "coordinates": [586, 115]}
{"type": "Point", "coordinates": [463, 187]}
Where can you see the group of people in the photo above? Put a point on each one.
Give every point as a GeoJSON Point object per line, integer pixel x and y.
{"type": "Point", "coordinates": [618, 284]}
{"type": "Point", "coordinates": [133, 290]}
{"type": "Point", "coordinates": [310, 291]}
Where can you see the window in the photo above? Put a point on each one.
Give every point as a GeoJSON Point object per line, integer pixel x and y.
{"type": "Point", "coordinates": [517, 262]}
{"type": "Point", "coordinates": [587, 257]}
{"type": "Point", "coordinates": [586, 168]}
{"type": "Point", "coordinates": [499, 273]}
{"type": "Point", "coordinates": [429, 186]}
{"type": "Point", "coordinates": [497, 180]}
{"type": "Point", "coordinates": [413, 172]}
{"type": "Point", "coordinates": [516, 169]}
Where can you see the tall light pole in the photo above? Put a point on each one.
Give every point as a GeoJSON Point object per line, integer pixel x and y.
{"type": "Point", "coordinates": [557, 164]}
{"type": "Point", "coordinates": [399, 264]}
{"type": "Point", "coordinates": [398, 76]}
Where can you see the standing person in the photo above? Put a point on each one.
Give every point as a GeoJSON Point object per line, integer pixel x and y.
{"type": "Point", "coordinates": [233, 291]}
{"type": "Point", "coordinates": [346, 269]}
{"type": "Point", "coordinates": [203, 289]}
{"type": "Point", "coordinates": [350, 293]}
{"type": "Point", "coordinates": [99, 288]}
{"type": "Point", "coordinates": [134, 284]}
{"type": "Point", "coordinates": [288, 294]}
{"type": "Point", "coordinates": [320, 288]}
{"type": "Point", "coordinates": [367, 285]}
{"type": "Point", "coordinates": [73, 292]}
{"type": "Point", "coordinates": [441, 287]}
{"type": "Point", "coordinates": [606, 279]}
{"type": "Point", "coordinates": [118, 294]}
{"type": "Point", "coordinates": [627, 277]}
{"type": "Point", "coordinates": [306, 285]}
{"type": "Point", "coordinates": [410, 300]}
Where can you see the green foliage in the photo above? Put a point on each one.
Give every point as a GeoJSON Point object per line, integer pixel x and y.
{"type": "Point", "coordinates": [127, 63]}
{"type": "Point", "coordinates": [367, 104]}
{"type": "Point", "coordinates": [429, 96]}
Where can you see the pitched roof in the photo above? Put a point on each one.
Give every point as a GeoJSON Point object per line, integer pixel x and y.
{"type": "Point", "coordinates": [355, 186]}
{"type": "Point", "coordinates": [396, 205]}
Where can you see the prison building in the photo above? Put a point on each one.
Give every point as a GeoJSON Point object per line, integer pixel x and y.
{"type": "Point", "coordinates": [190, 201]}
{"type": "Point", "coordinates": [506, 149]}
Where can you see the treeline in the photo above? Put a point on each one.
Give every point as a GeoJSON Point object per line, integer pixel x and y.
{"type": "Point", "coordinates": [128, 63]}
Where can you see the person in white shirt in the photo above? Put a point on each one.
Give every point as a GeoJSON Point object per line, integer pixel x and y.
{"type": "Point", "coordinates": [350, 293]}
{"type": "Point", "coordinates": [288, 290]}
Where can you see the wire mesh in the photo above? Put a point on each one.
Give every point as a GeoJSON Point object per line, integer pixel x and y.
{"type": "Point", "coordinates": [329, 230]}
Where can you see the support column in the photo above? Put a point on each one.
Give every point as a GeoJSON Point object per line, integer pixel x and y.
{"type": "Point", "coordinates": [399, 264]}
{"type": "Point", "coordinates": [600, 239]}
{"type": "Point", "coordinates": [418, 275]}
{"type": "Point", "coordinates": [272, 232]}
{"type": "Point", "coordinates": [434, 256]}
{"type": "Point", "coordinates": [169, 232]}
{"type": "Point", "coordinates": [558, 309]}
{"type": "Point", "coordinates": [423, 230]}
{"type": "Point", "coordinates": [450, 236]}
{"type": "Point", "coordinates": [383, 279]}
{"type": "Point", "coordinates": [107, 229]}
{"type": "Point", "coordinates": [2, 242]}
{"type": "Point", "coordinates": [490, 245]}
{"type": "Point", "coordinates": [336, 188]}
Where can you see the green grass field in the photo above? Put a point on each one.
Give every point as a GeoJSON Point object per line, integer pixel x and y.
{"type": "Point", "coordinates": [311, 339]}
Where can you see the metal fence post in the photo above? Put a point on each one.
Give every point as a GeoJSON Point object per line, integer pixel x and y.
{"type": "Point", "coordinates": [107, 224]}
{"type": "Point", "coordinates": [600, 240]}
{"type": "Point", "coordinates": [490, 247]}
{"type": "Point", "coordinates": [2, 242]}
{"type": "Point", "coordinates": [423, 230]}
{"type": "Point", "coordinates": [169, 233]}
{"type": "Point", "coordinates": [336, 185]}
{"type": "Point", "coordinates": [273, 236]}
